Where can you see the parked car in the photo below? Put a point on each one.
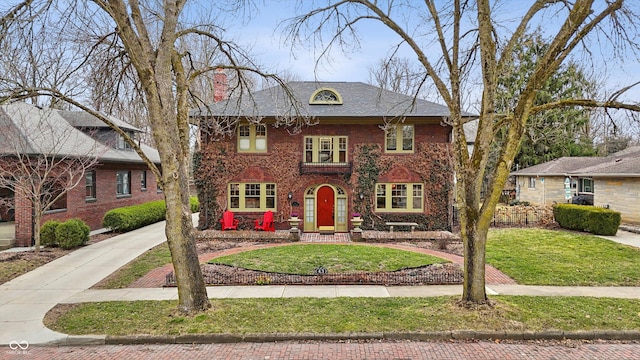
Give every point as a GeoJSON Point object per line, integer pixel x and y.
{"type": "Point", "coordinates": [582, 199]}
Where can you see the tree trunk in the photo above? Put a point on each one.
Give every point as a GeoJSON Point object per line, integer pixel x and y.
{"type": "Point", "coordinates": [475, 241]}
{"type": "Point", "coordinates": [474, 238]}
{"type": "Point", "coordinates": [37, 222]}
{"type": "Point", "coordinates": [192, 291]}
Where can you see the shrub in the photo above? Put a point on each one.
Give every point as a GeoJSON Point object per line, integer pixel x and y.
{"type": "Point", "coordinates": [195, 204]}
{"type": "Point", "coordinates": [48, 233]}
{"type": "Point", "coordinates": [72, 233]}
{"type": "Point", "coordinates": [591, 219]}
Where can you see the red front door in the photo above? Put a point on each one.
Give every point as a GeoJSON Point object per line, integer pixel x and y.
{"type": "Point", "coordinates": [325, 197]}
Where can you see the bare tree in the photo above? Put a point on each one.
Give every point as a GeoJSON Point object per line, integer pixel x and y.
{"type": "Point", "coordinates": [42, 157]}
{"type": "Point", "coordinates": [148, 43]}
{"type": "Point", "coordinates": [399, 75]}
{"type": "Point", "coordinates": [455, 41]}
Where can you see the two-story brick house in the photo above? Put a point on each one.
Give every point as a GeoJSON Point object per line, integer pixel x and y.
{"type": "Point", "coordinates": [382, 154]}
{"type": "Point", "coordinates": [120, 178]}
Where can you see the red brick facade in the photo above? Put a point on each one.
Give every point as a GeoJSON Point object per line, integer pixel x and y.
{"type": "Point", "coordinates": [429, 164]}
{"type": "Point", "coordinates": [90, 210]}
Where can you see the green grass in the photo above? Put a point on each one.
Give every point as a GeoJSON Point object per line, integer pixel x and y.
{"type": "Point", "coordinates": [303, 259]}
{"type": "Point", "coordinates": [546, 257]}
{"type": "Point", "coordinates": [241, 316]}
{"type": "Point", "coordinates": [140, 266]}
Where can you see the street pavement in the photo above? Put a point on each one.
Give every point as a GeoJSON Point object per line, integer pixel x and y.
{"type": "Point", "coordinates": [24, 302]}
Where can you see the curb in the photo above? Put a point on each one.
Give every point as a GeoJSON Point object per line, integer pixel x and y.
{"type": "Point", "coordinates": [631, 229]}
{"type": "Point", "coordinates": [85, 340]}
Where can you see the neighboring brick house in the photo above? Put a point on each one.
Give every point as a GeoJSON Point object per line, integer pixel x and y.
{"type": "Point", "coordinates": [612, 181]}
{"type": "Point", "coordinates": [119, 179]}
{"type": "Point", "coordinates": [382, 154]}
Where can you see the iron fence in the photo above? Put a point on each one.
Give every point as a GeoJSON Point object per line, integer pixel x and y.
{"type": "Point", "coordinates": [511, 216]}
{"type": "Point", "coordinates": [436, 274]}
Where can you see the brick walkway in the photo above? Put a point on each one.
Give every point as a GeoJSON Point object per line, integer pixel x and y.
{"type": "Point", "coordinates": [156, 278]}
{"type": "Point", "coordinates": [338, 351]}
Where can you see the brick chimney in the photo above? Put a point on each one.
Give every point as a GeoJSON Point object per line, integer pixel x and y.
{"type": "Point", "coordinates": [219, 85]}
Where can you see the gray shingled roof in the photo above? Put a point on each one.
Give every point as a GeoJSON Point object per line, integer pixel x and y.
{"type": "Point", "coordinates": [31, 130]}
{"type": "Point", "coordinates": [625, 163]}
{"type": "Point", "coordinates": [359, 100]}
{"type": "Point", "coordinates": [81, 119]}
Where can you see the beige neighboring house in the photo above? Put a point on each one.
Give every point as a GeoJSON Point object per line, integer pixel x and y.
{"type": "Point", "coordinates": [612, 181]}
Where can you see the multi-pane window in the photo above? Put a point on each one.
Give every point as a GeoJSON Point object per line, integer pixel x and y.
{"type": "Point", "coordinates": [532, 183]}
{"type": "Point", "coordinates": [123, 183]}
{"type": "Point", "coordinates": [143, 180]}
{"type": "Point", "coordinates": [325, 149]}
{"type": "Point", "coordinates": [399, 138]}
{"type": "Point", "coordinates": [252, 196]}
{"type": "Point", "coordinates": [252, 138]}
{"type": "Point", "coordinates": [399, 197]}
{"type": "Point", "coordinates": [90, 185]}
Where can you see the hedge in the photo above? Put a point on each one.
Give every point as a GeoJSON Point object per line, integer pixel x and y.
{"type": "Point", "coordinates": [136, 216]}
{"type": "Point", "coordinates": [598, 221]}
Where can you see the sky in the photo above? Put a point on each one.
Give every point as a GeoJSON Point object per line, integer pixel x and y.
{"type": "Point", "coordinates": [262, 35]}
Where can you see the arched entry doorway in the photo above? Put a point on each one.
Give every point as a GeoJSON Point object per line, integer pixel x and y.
{"type": "Point", "coordinates": [325, 208]}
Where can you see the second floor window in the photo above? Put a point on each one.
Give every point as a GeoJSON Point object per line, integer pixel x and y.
{"type": "Point", "coordinates": [325, 149]}
{"type": "Point", "coordinates": [399, 138]}
{"type": "Point", "coordinates": [121, 144]}
{"type": "Point", "coordinates": [252, 138]}
{"type": "Point", "coordinates": [123, 183]}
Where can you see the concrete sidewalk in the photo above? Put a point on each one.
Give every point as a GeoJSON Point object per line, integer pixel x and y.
{"type": "Point", "coordinates": [333, 291]}
{"type": "Point", "coordinates": [24, 301]}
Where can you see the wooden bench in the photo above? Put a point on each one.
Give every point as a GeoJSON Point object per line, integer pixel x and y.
{"type": "Point", "coordinates": [392, 224]}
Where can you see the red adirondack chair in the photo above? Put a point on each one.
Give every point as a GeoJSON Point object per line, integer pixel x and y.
{"type": "Point", "coordinates": [228, 222]}
{"type": "Point", "coordinates": [267, 222]}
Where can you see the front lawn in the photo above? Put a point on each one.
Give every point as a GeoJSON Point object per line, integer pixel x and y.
{"type": "Point", "coordinates": [343, 315]}
{"type": "Point", "coordinates": [304, 259]}
{"type": "Point", "coordinates": [547, 257]}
